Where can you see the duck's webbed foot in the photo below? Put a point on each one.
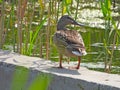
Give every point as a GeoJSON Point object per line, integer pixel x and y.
{"type": "Point", "coordinates": [60, 67]}
{"type": "Point", "coordinates": [73, 68]}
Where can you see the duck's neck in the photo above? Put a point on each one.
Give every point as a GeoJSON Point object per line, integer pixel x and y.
{"type": "Point", "coordinates": [61, 26]}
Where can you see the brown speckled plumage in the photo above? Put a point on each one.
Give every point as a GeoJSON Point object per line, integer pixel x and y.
{"type": "Point", "coordinates": [71, 40]}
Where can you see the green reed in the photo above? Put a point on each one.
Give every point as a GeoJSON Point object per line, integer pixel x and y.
{"type": "Point", "coordinates": [2, 24]}
{"type": "Point", "coordinates": [33, 36]}
{"type": "Point", "coordinates": [110, 28]}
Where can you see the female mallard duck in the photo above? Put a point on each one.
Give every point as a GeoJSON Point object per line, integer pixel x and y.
{"type": "Point", "coordinates": [68, 42]}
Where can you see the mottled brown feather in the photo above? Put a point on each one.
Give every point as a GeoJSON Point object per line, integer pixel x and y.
{"type": "Point", "coordinates": [70, 40]}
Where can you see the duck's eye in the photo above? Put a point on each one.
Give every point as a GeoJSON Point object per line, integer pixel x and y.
{"type": "Point", "coordinates": [68, 17]}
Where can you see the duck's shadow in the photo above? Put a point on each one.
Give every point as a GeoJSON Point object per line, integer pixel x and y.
{"type": "Point", "coordinates": [52, 67]}
{"type": "Point", "coordinates": [62, 71]}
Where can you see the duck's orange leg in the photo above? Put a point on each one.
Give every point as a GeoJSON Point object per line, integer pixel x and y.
{"type": "Point", "coordinates": [78, 66]}
{"type": "Point", "coordinates": [79, 60]}
{"type": "Point", "coordinates": [60, 61]}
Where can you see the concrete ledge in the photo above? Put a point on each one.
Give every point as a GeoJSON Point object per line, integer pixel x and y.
{"type": "Point", "coordinates": [62, 79]}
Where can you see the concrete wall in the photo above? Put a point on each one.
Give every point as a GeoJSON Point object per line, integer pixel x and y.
{"type": "Point", "coordinates": [18, 72]}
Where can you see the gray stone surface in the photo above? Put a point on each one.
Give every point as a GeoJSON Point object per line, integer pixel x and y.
{"type": "Point", "coordinates": [62, 79]}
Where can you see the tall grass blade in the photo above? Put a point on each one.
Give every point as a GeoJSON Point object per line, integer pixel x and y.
{"type": "Point", "coordinates": [106, 47]}
{"type": "Point", "coordinates": [2, 23]}
{"type": "Point", "coordinates": [33, 37]}
{"type": "Point", "coordinates": [104, 11]}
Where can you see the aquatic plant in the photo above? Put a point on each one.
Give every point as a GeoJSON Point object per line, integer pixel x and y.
{"type": "Point", "coordinates": [111, 31]}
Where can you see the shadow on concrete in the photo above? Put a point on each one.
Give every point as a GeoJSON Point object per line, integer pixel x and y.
{"type": "Point", "coordinates": [63, 71]}
{"type": "Point", "coordinates": [52, 67]}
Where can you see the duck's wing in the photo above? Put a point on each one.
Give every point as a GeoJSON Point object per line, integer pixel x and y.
{"type": "Point", "coordinates": [72, 39]}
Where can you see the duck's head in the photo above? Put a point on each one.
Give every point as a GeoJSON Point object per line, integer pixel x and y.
{"type": "Point", "coordinates": [66, 20]}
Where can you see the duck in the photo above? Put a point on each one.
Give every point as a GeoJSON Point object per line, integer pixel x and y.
{"type": "Point", "coordinates": [69, 42]}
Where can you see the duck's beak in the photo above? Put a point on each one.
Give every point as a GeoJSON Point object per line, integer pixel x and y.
{"type": "Point", "coordinates": [80, 24]}
{"type": "Point", "coordinates": [76, 23]}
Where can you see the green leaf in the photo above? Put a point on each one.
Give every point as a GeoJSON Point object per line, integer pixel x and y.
{"type": "Point", "coordinates": [108, 9]}
{"type": "Point", "coordinates": [68, 1]}
{"type": "Point", "coordinates": [41, 82]}
{"type": "Point", "coordinates": [66, 4]}
{"type": "Point", "coordinates": [105, 7]}
{"type": "Point", "coordinates": [105, 45]}
{"type": "Point", "coordinates": [64, 10]}
{"type": "Point", "coordinates": [104, 11]}
{"type": "Point", "coordinates": [32, 40]}
{"type": "Point", "coordinates": [20, 77]}
{"type": "Point", "coordinates": [0, 1]}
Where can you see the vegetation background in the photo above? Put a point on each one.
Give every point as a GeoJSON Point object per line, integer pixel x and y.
{"type": "Point", "coordinates": [27, 27]}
